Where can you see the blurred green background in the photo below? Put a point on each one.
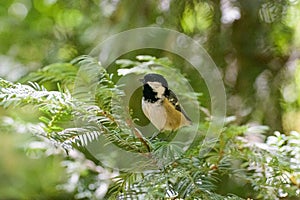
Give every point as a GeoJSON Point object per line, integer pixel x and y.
{"type": "Point", "coordinates": [255, 44]}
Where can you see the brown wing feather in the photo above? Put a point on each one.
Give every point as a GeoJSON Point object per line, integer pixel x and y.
{"type": "Point", "coordinates": [174, 100]}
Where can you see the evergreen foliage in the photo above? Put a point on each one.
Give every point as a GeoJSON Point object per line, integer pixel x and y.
{"type": "Point", "coordinates": [88, 104]}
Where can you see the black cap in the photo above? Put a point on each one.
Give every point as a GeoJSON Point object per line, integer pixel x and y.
{"type": "Point", "coordinates": [155, 78]}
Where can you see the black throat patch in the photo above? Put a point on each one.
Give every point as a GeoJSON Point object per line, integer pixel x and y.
{"type": "Point", "coordinates": [149, 95]}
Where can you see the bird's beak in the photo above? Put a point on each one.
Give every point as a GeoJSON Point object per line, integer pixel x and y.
{"type": "Point", "coordinates": [141, 80]}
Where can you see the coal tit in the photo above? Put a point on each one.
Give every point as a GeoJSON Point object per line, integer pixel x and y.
{"type": "Point", "coordinates": [161, 106]}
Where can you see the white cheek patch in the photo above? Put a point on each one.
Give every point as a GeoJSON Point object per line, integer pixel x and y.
{"type": "Point", "coordinates": [157, 87]}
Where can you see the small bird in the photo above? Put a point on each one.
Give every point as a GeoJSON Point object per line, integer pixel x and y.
{"type": "Point", "coordinates": [161, 106]}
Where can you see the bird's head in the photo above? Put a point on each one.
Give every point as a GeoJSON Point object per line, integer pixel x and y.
{"type": "Point", "coordinates": [156, 82]}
